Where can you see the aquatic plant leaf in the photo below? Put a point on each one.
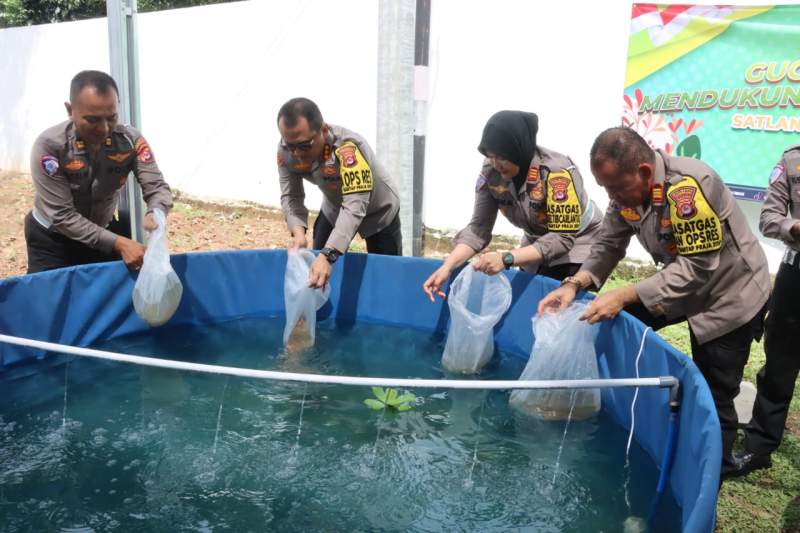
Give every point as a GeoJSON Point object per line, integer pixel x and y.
{"type": "Point", "coordinates": [374, 404]}
{"type": "Point", "coordinates": [379, 393]}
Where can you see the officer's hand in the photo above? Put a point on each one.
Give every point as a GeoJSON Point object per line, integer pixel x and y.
{"type": "Point", "coordinates": [795, 231]}
{"type": "Point", "coordinates": [608, 305]}
{"type": "Point", "coordinates": [131, 251]}
{"type": "Point", "coordinates": [319, 273]}
{"type": "Point", "coordinates": [298, 240]}
{"type": "Point", "coordinates": [490, 263]}
{"type": "Point", "coordinates": [433, 285]}
{"type": "Point", "coordinates": [149, 223]}
{"type": "Point", "coordinates": [557, 300]}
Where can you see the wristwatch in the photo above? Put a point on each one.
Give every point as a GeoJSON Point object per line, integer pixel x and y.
{"type": "Point", "coordinates": [508, 260]}
{"type": "Point", "coordinates": [331, 254]}
{"type": "Point", "coordinates": [575, 281]}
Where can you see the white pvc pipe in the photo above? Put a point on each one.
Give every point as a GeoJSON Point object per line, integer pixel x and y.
{"type": "Point", "coordinates": [341, 380]}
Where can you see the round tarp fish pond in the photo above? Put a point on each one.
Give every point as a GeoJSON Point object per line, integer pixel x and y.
{"type": "Point", "coordinates": [104, 445]}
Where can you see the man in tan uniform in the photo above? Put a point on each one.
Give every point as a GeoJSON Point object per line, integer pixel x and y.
{"type": "Point", "coordinates": [78, 168]}
{"type": "Point", "coordinates": [715, 272]}
{"type": "Point", "coordinates": [780, 219]}
{"type": "Point", "coordinates": [358, 194]}
{"type": "Point", "coordinates": [538, 190]}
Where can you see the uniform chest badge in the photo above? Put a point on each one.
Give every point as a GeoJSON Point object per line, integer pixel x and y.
{"type": "Point", "coordinates": [75, 165]}
{"type": "Point", "coordinates": [329, 170]}
{"type": "Point", "coordinates": [537, 192]}
{"type": "Point", "coordinates": [498, 189]}
{"type": "Point", "coordinates": [533, 175]}
{"type": "Point", "coordinates": [120, 157]}
{"type": "Point", "coordinates": [657, 195]}
{"type": "Point", "coordinates": [629, 214]}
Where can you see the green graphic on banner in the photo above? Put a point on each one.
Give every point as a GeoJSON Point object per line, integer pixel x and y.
{"type": "Point", "coordinates": [717, 82]}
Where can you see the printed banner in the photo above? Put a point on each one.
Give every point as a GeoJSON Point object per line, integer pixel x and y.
{"type": "Point", "coordinates": [721, 83]}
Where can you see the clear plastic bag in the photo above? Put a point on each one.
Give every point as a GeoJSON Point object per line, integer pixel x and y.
{"type": "Point", "coordinates": [158, 290]}
{"type": "Point", "coordinates": [302, 302]}
{"type": "Point", "coordinates": [477, 302]}
{"type": "Point", "coordinates": [563, 349]}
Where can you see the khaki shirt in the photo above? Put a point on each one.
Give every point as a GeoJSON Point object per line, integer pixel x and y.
{"type": "Point", "coordinates": [77, 190]}
{"type": "Point", "coordinates": [781, 209]}
{"type": "Point", "coordinates": [358, 194]}
{"type": "Point", "coordinates": [715, 270]}
{"type": "Point", "coordinates": [551, 207]}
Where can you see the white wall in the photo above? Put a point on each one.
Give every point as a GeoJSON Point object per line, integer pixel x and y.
{"type": "Point", "coordinates": [213, 77]}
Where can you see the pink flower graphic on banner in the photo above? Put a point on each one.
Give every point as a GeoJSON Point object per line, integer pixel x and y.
{"type": "Point", "coordinates": [651, 126]}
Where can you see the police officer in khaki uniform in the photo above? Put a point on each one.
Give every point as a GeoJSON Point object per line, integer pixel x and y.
{"type": "Point", "coordinates": [715, 272]}
{"type": "Point", "coordinates": [358, 194]}
{"type": "Point", "coordinates": [539, 190]}
{"type": "Point", "coordinates": [780, 219]}
{"type": "Point", "coordinates": [78, 169]}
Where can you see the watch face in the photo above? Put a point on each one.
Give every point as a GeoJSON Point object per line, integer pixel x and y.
{"type": "Point", "coordinates": [508, 259]}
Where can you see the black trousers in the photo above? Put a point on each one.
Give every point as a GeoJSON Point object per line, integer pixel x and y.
{"type": "Point", "coordinates": [387, 241]}
{"type": "Point", "coordinates": [721, 362]}
{"type": "Point", "coordinates": [48, 249]}
{"type": "Point", "coordinates": [559, 272]}
{"type": "Point", "coordinates": [776, 379]}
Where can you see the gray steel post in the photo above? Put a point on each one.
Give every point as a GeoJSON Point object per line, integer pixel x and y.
{"type": "Point", "coordinates": [123, 52]}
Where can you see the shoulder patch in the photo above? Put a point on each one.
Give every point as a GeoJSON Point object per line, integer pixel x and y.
{"type": "Point", "coordinates": [49, 165]}
{"type": "Point", "coordinates": [355, 172]}
{"type": "Point", "coordinates": [280, 159]}
{"type": "Point", "coordinates": [143, 151]}
{"type": "Point", "coordinates": [696, 226]}
{"type": "Point", "coordinates": [480, 183]}
{"type": "Point", "coordinates": [563, 207]}
{"type": "Point", "coordinates": [776, 173]}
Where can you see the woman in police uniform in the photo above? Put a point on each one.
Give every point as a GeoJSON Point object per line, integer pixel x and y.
{"type": "Point", "coordinates": [539, 191]}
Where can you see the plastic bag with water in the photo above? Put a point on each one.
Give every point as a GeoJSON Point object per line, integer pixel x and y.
{"type": "Point", "coordinates": [477, 302]}
{"type": "Point", "coordinates": [158, 290]}
{"type": "Point", "coordinates": [302, 302]}
{"type": "Point", "coordinates": [563, 349]}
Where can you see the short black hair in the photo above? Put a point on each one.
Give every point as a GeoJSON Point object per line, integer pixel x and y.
{"type": "Point", "coordinates": [624, 146]}
{"type": "Point", "coordinates": [101, 81]}
{"type": "Point", "coordinates": [295, 108]}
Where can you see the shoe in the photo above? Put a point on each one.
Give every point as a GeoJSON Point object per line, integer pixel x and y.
{"type": "Point", "coordinates": [746, 462]}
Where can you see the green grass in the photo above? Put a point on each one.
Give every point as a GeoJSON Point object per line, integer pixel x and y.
{"type": "Point", "coordinates": [766, 500]}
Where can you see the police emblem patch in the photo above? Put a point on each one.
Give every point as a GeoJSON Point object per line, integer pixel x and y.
{"type": "Point", "coordinates": [347, 154]}
{"type": "Point", "coordinates": [143, 151]}
{"type": "Point", "coordinates": [49, 165]}
{"type": "Point", "coordinates": [683, 198]}
{"type": "Point", "coordinates": [560, 187]}
{"type": "Point", "coordinates": [480, 183]}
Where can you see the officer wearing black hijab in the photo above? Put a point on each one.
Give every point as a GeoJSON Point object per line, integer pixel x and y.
{"type": "Point", "coordinates": [539, 191]}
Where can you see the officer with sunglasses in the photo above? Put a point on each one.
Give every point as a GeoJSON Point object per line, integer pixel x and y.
{"type": "Point", "coordinates": [358, 194]}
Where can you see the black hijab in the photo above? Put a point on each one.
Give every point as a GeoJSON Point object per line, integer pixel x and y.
{"type": "Point", "coordinates": [512, 136]}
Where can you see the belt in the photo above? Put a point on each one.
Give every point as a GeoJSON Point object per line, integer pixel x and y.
{"type": "Point", "coordinates": [791, 257]}
{"type": "Point", "coordinates": [41, 219]}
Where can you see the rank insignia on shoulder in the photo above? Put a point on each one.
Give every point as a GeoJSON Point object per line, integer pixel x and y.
{"type": "Point", "coordinates": [657, 194]}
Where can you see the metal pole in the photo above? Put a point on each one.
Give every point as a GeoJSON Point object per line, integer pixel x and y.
{"type": "Point", "coordinates": [421, 48]}
{"type": "Point", "coordinates": [123, 52]}
{"type": "Point", "coordinates": [395, 106]}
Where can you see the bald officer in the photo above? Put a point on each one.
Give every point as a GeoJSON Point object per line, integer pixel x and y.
{"type": "Point", "coordinates": [715, 272]}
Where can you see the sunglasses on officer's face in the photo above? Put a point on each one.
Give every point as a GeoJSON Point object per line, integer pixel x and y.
{"type": "Point", "coordinates": [303, 146]}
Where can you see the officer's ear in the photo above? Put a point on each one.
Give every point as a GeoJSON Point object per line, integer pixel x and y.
{"type": "Point", "coordinates": [69, 108]}
{"type": "Point", "coordinates": [646, 172]}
